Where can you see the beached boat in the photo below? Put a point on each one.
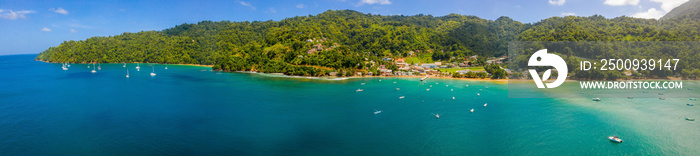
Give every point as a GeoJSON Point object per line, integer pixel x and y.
{"type": "Point", "coordinates": [692, 99]}
{"type": "Point", "coordinates": [660, 98]}
{"type": "Point", "coordinates": [689, 119]}
{"type": "Point", "coordinates": [596, 99]}
{"type": "Point", "coordinates": [615, 139]}
{"type": "Point", "coordinates": [359, 90]}
{"type": "Point", "coordinates": [690, 104]}
{"type": "Point", "coordinates": [629, 97]}
{"type": "Point", "coordinates": [423, 79]}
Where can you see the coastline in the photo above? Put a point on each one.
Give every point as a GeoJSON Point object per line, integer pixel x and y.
{"type": "Point", "coordinates": [403, 76]}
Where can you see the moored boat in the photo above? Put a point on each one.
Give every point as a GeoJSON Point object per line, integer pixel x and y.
{"type": "Point", "coordinates": [615, 139]}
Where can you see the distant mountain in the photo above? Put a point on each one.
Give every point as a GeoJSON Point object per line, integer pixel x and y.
{"type": "Point", "coordinates": [688, 9]}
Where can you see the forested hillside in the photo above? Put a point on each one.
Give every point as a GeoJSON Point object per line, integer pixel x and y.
{"type": "Point", "coordinates": [351, 41]}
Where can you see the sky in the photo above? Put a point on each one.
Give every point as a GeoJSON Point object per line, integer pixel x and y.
{"type": "Point", "coordinates": [30, 26]}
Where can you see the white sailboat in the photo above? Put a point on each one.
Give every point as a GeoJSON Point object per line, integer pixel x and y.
{"type": "Point", "coordinates": [138, 68]}
{"type": "Point", "coordinates": [472, 110]}
{"type": "Point", "coordinates": [64, 67]}
{"type": "Point", "coordinates": [93, 68]}
{"type": "Point", "coordinates": [127, 73]}
{"type": "Point", "coordinates": [99, 66]}
{"type": "Point", "coordinates": [166, 66]}
{"type": "Point", "coordinates": [124, 65]}
{"type": "Point", "coordinates": [154, 71]}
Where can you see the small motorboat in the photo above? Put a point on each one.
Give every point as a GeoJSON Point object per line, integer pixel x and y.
{"type": "Point", "coordinates": [689, 119]}
{"type": "Point", "coordinates": [629, 97]}
{"type": "Point", "coordinates": [466, 85]}
{"type": "Point", "coordinates": [453, 98]}
{"type": "Point", "coordinates": [394, 81]}
{"type": "Point", "coordinates": [615, 139]}
{"type": "Point", "coordinates": [477, 94]}
{"type": "Point", "coordinates": [472, 110]}
{"type": "Point", "coordinates": [437, 116]}
{"type": "Point", "coordinates": [359, 90]}
{"type": "Point", "coordinates": [596, 99]}
{"type": "Point", "coordinates": [431, 86]}
{"type": "Point", "coordinates": [452, 89]}
{"type": "Point", "coordinates": [690, 104]}
{"type": "Point", "coordinates": [692, 99]}
{"type": "Point", "coordinates": [485, 104]}
{"type": "Point", "coordinates": [661, 93]}
{"type": "Point", "coordinates": [362, 83]}
{"type": "Point", "coordinates": [662, 98]}
{"type": "Point", "coordinates": [427, 89]}
{"type": "Point", "coordinates": [377, 112]}
{"type": "Point", "coordinates": [401, 97]}
{"type": "Point", "coordinates": [397, 89]}
{"type": "Point", "coordinates": [447, 85]}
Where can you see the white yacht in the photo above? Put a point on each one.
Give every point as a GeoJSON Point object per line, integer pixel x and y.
{"type": "Point", "coordinates": [154, 71]}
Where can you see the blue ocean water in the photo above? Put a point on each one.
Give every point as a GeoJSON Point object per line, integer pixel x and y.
{"type": "Point", "coordinates": [187, 110]}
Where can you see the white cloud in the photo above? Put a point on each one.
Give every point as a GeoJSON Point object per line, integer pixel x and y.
{"type": "Point", "coordinates": [246, 4]}
{"type": "Point", "coordinates": [557, 2]}
{"type": "Point", "coordinates": [568, 14]}
{"type": "Point", "coordinates": [272, 10]}
{"type": "Point", "coordinates": [301, 6]}
{"type": "Point", "coordinates": [370, 2]}
{"type": "Point", "coordinates": [73, 31]}
{"type": "Point", "coordinates": [668, 5]}
{"type": "Point", "coordinates": [13, 15]}
{"type": "Point", "coordinates": [46, 29]}
{"type": "Point", "coordinates": [621, 2]}
{"type": "Point", "coordinates": [651, 13]}
{"type": "Point", "coordinates": [59, 10]}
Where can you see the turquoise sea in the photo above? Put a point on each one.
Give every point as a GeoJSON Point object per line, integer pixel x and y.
{"type": "Point", "coordinates": [187, 110]}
